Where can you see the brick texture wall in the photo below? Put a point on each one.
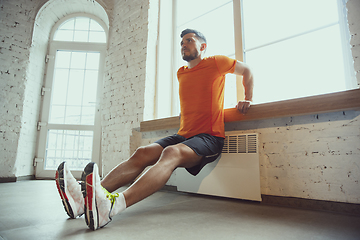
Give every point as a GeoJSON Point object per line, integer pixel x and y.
{"type": "Point", "coordinates": [16, 21]}
{"type": "Point", "coordinates": [124, 83]}
{"type": "Point", "coordinates": [353, 7]}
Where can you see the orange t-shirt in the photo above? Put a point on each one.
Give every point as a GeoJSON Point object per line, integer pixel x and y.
{"type": "Point", "coordinates": [201, 91]}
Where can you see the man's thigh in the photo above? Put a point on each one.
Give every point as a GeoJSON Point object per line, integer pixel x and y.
{"type": "Point", "coordinates": [188, 157]}
{"type": "Point", "coordinates": [147, 155]}
{"type": "Point", "coordinates": [195, 152]}
{"type": "Point", "coordinates": [207, 146]}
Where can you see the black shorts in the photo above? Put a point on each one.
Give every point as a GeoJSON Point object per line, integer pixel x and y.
{"type": "Point", "coordinates": [205, 145]}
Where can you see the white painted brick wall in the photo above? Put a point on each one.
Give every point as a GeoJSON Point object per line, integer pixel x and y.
{"type": "Point", "coordinates": [16, 19]}
{"type": "Point", "coordinates": [124, 83]}
{"type": "Point", "coordinates": [353, 7]}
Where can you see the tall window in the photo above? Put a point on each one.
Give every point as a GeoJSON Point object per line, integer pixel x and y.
{"type": "Point", "coordinates": [70, 129]}
{"type": "Point", "coordinates": [295, 48]}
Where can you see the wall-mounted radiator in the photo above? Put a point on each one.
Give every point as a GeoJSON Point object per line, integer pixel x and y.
{"type": "Point", "coordinates": [235, 174]}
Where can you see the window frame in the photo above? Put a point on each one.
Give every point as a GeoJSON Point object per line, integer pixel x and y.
{"type": "Point", "coordinates": [53, 47]}
{"type": "Point", "coordinates": [74, 15]}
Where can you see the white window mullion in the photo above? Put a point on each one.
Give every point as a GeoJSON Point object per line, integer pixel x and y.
{"type": "Point", "coordinates": [175, 102]}
{"type": "Point", "coordinates": [239, 46]}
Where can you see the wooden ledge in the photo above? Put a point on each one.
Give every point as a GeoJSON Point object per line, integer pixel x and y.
{"type": "Point", "coordinates": [333, 102]}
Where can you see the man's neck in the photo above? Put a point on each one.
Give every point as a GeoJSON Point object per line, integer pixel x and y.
{"type": "Point", "coordinates": [194, 62]}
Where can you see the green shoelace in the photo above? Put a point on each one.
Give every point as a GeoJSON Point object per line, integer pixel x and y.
{"type": "Point", "coordinates": [110, 196]}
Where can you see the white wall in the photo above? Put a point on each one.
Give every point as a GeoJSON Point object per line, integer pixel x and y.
{"type": "Point", "coordinates": [16, 20]}
{"type": "Point", "coordinates": [124, 83]}
{"type": "Point", "coordinates": [353, 7]}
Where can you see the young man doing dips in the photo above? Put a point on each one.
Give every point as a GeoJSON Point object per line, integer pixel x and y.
{"type": "Point", "coordinates": [199, 140]}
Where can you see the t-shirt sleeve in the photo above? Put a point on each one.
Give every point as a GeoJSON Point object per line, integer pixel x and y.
{"type": "Point", "coordinates": [225, 64]}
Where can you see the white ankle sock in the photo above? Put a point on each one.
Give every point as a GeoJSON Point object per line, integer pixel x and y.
{"type": "Point", "coordinates": [119, 205]}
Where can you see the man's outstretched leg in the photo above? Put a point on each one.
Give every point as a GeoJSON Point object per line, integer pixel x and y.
{"type": "Point", "coordinates": [156, 177]}
{"type": "Point", "coordinates": [101, 206]}
{"type": "Point", "coordinates": [70, 191]}
{"type": "Point", "coordinates": [127, 171]}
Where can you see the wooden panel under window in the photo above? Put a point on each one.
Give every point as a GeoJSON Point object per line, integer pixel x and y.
{"type": "Point", "coordinates": [333, 102]}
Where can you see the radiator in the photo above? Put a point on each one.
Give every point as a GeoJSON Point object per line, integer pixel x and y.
{"type": "Point", "coordinates": [235, 174]}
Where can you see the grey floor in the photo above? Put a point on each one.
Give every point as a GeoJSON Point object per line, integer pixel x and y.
{"type": "Point", "coordinates": [33, 210]}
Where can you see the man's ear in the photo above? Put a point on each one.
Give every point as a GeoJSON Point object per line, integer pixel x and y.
{"type": "Point", "coordinates": [203, 47]}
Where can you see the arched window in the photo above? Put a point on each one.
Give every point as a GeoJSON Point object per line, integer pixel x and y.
{"type": "Point", "coordinates": [70, 122]}
{"type": "Point", "coordinates": [80, 29]}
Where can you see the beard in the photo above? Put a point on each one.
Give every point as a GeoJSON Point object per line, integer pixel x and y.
{"type": "Point", "coordinates": [193, 55]}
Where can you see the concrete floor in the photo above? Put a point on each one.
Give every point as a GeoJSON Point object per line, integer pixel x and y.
{"type": "Point", "coordinates": [33, 210]}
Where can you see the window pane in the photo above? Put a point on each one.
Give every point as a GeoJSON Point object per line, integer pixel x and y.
{"type": "Point", "coordinates": [307, 65]}
{"type": "Point", "coordinates": [95, 26]}
{"type": "Point", "coordinates": [97, 37]}
{"type": "Point", "coordinates": [73, 115]}
{"type": "Point", "coordinates": [57, 114]}
{"type": "Point", "coordinates": [60, 86]}
{"type": "Point", "coordinates": [279, 19]}
{"type": "Point", "coordinates": [68, 25]}
{"type": "Point", "coordinates": [217, 43]}
{"type": "Point", "coordinates": [62, 59]}
{"type": "Point", "coordinates": [198, 8]}
{"type": "Point", "coordinates": [81, 36]}
{"type": "Point", "coordinates": [78, 60]}
{"type": "Point", "coordinates": [74, 89]}
{"type": "Point", "coordinates": [74, 147]}
{"type": "Point", "coordinates": [230, 99]}
{"type": "Point", "coordinates": [90, 87]}
{"type": "Point", "coordinates": [87, 115]}
{"type": "Point", "coordinates": [92, 60]}
{"type": "Point", "coordinates": [82, 23]}
{"type": "Point", "coordinates": [309, 58]}
{"type": "Point", "coordinates": [76, 80]}
{"type": "Point", "coordinates": [64, 35]}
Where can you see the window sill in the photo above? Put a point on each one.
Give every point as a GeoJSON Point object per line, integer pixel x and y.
{"type": "Point", "coordinates": [333, 102]}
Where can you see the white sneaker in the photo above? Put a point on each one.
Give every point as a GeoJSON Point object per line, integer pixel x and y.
{"type": "Point", "coordinates": [98, 202]}
{"type": "Point", "coordinates": [70, 191]}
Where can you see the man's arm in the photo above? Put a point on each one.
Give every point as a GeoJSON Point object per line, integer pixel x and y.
{"type": "Point", "coordinates": [248, 82]}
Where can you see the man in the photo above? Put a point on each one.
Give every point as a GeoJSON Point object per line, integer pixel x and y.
{"type": "Point", "coordinates": [199, 140]}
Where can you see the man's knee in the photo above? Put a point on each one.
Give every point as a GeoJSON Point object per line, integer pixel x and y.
{"type": "Point", "coordinates": [172, 151]}
{"type": "Point", "coordinates": [140, 152]}
{"type": "Point", "coordinates": [147, 155]}
{"type": "Point", "coordinates": [180, 155]}
{"type": "Point", "coordinates": [172, 156]}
